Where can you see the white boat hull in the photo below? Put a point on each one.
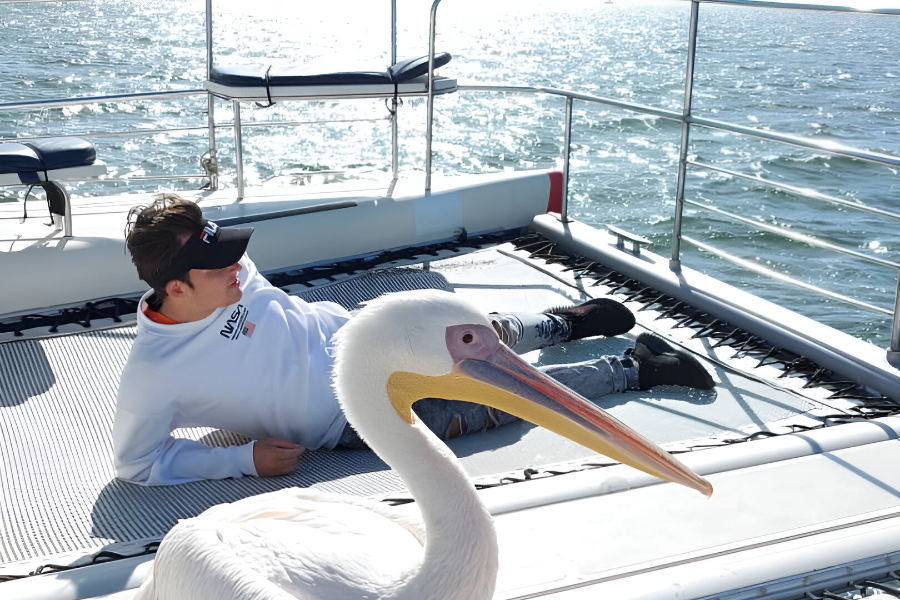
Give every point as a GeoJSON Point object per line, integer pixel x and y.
{"type": "Point", "coordinates": [49, 270]}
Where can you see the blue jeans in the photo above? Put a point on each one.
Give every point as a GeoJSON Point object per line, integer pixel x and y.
{"type": "Point", "coordinates": [522, 333]}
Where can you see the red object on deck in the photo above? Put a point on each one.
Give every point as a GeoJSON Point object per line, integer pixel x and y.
{"type": "Point", "coordinates": [554, 203]}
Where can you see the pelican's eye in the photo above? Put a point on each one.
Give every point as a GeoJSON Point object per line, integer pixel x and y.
{"type": "Point", "coordinates": [471, 341]}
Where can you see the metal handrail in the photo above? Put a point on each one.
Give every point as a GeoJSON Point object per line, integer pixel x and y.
{"type": "Point", "coordinates": [814, 7]}
{"type": "Point", "coordinates": [751, 266]}
{"type": "Point", "coordinates": [226, 125]}
{"type": "Point", "coordinates": [794, 235]}
{"type": "Point", "coordinates": [395, 104]}
{"type": "Point", "coordinates": [79, 100]}
{"type": "Point", "coordinates": [798, 191]}
{"type": "Point", "coordinates": [801, 142]}
{"type": "Point", "coordinates": [429, 119]}
{"type": "Point", "coordinates": [213, 169]}
{"type": "Point", "coordinates": [675, 261]}
{"type": "Point", "coordinates": [36, 1]}
{"type": "Point", "coordinates": [855, 153]}
{"type": "Point", "coordinates": [893, 352]}
{"type": "Point", "coordinates": [685, 118]}
{"type": "Point", "coordinates": [634, 107]}
{"type": "Point", "coordinates": [149, 178]}
{"type": "Point", "coordinates": [564, 206]}
{"type": "Point", "coordinates": [831, 148]}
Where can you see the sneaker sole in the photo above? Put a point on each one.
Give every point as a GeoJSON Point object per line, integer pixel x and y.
{"type": "Point", "coordinates": [658, 345]}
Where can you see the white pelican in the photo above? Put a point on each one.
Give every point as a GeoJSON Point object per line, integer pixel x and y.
{"type": "Point", "coordinates": [312, 545]}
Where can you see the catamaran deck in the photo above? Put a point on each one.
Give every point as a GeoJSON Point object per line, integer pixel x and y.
{"type": "Point", "coordinates": [60, 499]}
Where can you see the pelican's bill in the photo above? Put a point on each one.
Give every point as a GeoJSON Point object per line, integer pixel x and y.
{"type": "Point", "coordinates": [487, 372]}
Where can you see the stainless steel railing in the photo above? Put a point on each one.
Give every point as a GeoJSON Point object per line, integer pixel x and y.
{"type": "Point", "coordinates": [688, 120]}
{"type": "Point", "coordinates": [893, 352]}
{"type": "Point", "coordinates": [675, 261]}
{"type": "Point", "coordinates": [59, 102]}
{"type": "Point", "coordinates": [804, 6]}
{"type": "Point", "coordinates": [213, 168]}
{"type": "Point", "coordinates": [684, 117]}
{"type": "Point", "coordinates": [429, 115]}
{"type": "Point", "coordinates": [225, 125]}
{"type": "Point", "coordinates": [798, 191]}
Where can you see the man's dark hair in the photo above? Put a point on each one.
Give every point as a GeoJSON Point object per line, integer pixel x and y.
{"type": "Point", "coordinates": [154, 234]}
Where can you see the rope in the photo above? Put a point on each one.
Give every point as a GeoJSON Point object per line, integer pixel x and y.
{"type": "Point", "coordinates": [25, 203]}
{"type": "Point", "coordinates": [268, 91]}
{"type": "Point", "coordinates": [210, 165]}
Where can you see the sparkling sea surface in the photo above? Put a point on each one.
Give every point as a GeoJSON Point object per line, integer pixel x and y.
{"type": "Point", "coordinates": [827, 76]}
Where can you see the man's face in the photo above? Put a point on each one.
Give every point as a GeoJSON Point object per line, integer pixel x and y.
{"type": "Point", "coordinates": [215, 288]}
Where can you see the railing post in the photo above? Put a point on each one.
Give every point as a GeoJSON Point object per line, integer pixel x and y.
{"type": "Point", "coordinates": [564, 210]}
{"type": "Point", "coordinates": [429, 120]}
{"type": "Point", "coordinates": [893, 353]}
{"type": "Point", "coordinates": [210, 102]}
{"type": "Point", "coordinates": [675, 262]}
{"type": "Point", "coordinates": [238, 150]}
{"type": "Point", "coordinates": [67, 216]}
{"type": "Point", "coordinates": [395, 144]}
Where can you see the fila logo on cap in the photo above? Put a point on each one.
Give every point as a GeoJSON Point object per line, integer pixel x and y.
{"type": "Point", "coordinates": [209, 231]}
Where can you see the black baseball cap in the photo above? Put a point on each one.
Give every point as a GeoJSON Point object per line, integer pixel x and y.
{"type": "Point", "coordinates": [213, 247]}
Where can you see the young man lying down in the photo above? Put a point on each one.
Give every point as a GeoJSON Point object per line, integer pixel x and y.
{"type": "Point", "coordinates": [219, 346]}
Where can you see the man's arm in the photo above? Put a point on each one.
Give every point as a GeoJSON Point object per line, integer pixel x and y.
{"type": "Point", "coordinates": [146, 453]}
{"type": "Point", "coordinates": [160, 459]}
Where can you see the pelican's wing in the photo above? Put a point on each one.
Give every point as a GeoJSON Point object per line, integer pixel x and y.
{"type": "Point", "coordinates": [407, 516]}
{"type": "Point", "coordinates": [294, 501]}
{"type": "Point", "coordinates": [288, 544]}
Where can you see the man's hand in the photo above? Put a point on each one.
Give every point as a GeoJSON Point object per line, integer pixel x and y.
{"type": "Point", "coordinates": [275, 457]}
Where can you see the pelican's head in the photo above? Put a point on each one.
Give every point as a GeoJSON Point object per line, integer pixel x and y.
{"type": "Point", "coordinates": [431, 344]}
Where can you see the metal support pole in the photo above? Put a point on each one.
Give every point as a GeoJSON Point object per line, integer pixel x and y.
{"type": "Point", "coordinates": [209, 39]}
{"type": "Point", "coordinates": [213, 158]}
{"type": "Point", "coordinates": [564, 210]}
{"type": "Point", "coordinates": [238, 150]}
{"type": "Point", "coordinates": [210, 101]}
{"type": "Point", "coordinates": [675, 262]}
{"type": "Point", "coordinates": [429, 121]}
{"type": "Point", "coordinates": [393, 32]}
{"type": "Point", "coordinates": [893, 354]}
{"type": "Point", "coordinates": [67, 217]}
{"type": "Point", "coordinates": [395, 143]}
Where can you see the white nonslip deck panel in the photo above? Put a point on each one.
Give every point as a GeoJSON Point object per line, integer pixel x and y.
{"type": "Point", "coordinates": [58, 492]}
{"type": "Point", "coordinates": [587, 540]}
{"type": "Point", "coordinates": [855, 359]}
{"type": "Point", "coordinates": [497, 282]}
{"type": "Point", "coordinates": [67, 404]}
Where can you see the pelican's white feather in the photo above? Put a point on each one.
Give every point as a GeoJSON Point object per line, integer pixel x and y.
{"type": "Point", "coordinates": [312, 545]}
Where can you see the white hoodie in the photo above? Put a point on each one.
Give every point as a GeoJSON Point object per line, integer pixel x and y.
{"type": "Point", "coordinates": [260, 367]}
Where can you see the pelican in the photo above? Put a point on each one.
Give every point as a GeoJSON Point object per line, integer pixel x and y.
{"type": "Point", "coordinates": [306, 544]}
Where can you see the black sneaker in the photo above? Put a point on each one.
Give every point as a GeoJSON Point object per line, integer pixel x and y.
{"type": "Point", "coordinates": [600, 316]}
{"type": "Point", "coordinates": [660, 363]}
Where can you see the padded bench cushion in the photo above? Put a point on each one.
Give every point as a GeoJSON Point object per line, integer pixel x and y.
{"type": "Point", "coordinates": [416, 67]}
{"type": "Point", "coordinates": [254, 75]}
{"type": "Point", "coordinates": [45, 155]}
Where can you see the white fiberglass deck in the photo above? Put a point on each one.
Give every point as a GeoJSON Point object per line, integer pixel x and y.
{"type": "Point", "coordinates": [60, 496]}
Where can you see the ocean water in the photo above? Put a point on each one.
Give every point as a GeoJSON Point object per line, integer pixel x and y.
{"type": "Point", "coordinates": [828, 76]}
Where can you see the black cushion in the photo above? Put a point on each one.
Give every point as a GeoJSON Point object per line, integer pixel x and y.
{"type": "Point", "coordinates": [46, 155]}
{"type": "Point", "coordinates": [416, 67]}
{"type": "Point", "coordinates": [15, 158]}
{"type": "Point", "coordinates": [254, 74]}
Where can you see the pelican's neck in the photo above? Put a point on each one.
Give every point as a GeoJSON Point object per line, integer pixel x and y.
{"type": "Point", "coordinates": [461, 544]}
